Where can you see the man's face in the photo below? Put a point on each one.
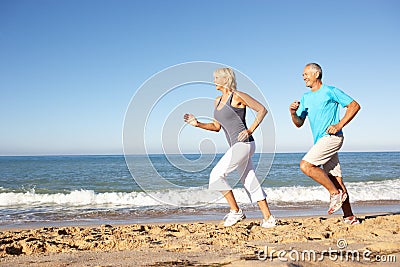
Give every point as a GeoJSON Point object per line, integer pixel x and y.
{"type": "Point", "coordinates": [310, 76]}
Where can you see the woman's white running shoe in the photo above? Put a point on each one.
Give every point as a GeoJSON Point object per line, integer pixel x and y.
{"type": "Point", "coordinates": [271, 222]}
{"type": "Point", "coordinates": [234, 217]}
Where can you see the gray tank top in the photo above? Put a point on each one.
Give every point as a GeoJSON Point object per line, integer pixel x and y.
{"type": "Point", "coordinates": [232, 121]}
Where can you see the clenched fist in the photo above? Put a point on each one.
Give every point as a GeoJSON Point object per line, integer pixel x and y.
{"type": "Point", "coordinates": [294, 106]}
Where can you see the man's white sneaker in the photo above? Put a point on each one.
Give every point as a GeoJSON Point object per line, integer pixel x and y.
{"type": "Point", "coordinates": [271, 222]}
{"type": "Point", "coordinates": [351, 220]}
{"type": "Point", "coordinates": [337, 201]}
{"type": "Point", "coordinates": [233, 217]}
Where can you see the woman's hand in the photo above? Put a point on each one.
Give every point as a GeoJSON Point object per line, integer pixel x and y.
{"type": "Point", "coordinates": [191, 119]}
{"type": "Point", "coordinates": [254, 105]}
{"type": "Point", "coordinates": [244, 135]}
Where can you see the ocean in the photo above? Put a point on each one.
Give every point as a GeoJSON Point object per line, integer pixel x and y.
{"type": "Point", "coordinates": [88, 190]}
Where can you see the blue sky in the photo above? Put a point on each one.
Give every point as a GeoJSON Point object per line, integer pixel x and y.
{"type": "Point", "coordinates": [68, 69]}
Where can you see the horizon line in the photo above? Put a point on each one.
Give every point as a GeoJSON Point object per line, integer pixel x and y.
{"type": "Point", "coordinates": [140, 154]}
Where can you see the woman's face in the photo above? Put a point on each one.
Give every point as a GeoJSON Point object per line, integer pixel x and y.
{"type": "Point", "coordinates": [219, 82]}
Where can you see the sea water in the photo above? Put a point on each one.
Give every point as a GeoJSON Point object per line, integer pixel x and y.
{"type": "Point", "coordinates": [46, 190]}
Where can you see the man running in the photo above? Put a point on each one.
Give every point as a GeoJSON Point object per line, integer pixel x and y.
{"type": "Point", "coordinates": [321, 106]}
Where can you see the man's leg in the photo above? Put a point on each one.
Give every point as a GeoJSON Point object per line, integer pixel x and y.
{"type": "Point", "coordinates": [346, 207]}
{"type": "Point", "coordinates": [332, 167]}
{"type": "Point", "coordinates": [319, 154]}
{"type": "Point", "coordinates": [318, 175]}
{"type": "Point", "coordinates": [322, 152]}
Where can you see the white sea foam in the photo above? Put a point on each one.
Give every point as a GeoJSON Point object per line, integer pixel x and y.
{"type": "Point", "coordinates": [360, 191]}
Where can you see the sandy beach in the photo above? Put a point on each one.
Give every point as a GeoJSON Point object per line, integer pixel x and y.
{"type": "Point", "coordinates": [301, 241]}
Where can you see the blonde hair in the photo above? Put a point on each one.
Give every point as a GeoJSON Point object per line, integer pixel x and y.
{"type": "Point", "coordinates": [227, 73]}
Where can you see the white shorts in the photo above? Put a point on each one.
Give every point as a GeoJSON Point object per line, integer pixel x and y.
{"type": "Point", "coordinates": [237, 157]}
{"type": "Point", "coordinates": [325, 153]}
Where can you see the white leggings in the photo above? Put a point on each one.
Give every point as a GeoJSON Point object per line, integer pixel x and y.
{"type": "Point", "coordinates": [237, 157]}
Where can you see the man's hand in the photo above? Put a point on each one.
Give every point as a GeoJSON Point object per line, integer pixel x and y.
{"type": "Point", "coordinates": [298, 121]}
{"type": "Point", "coordinates": [294, 106]}
{"type": "Point", "coordinates": [333, 129]}
{"type": "Point", "coordinates": [191, 119]}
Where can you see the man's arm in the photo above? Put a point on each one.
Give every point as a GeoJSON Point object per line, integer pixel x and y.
{"type": "Point", "coordinates": [351, 111]}
{"type": "Point", "coordinates": [298, 121]}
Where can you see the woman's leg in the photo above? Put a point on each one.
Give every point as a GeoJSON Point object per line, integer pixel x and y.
{"type": "Point", "coordinates": [231, 200]}
{"type": "Point", "coordinates": [236, 155]}
{"type": "Point", "coordinates": [264, 208]}
{"type": "Point", "coordinates": [252, 185]}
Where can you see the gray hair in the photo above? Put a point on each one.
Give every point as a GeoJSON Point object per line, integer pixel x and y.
{"type": "Point", "coordinates": [317, 68]}
{"type": "Point", "coordinates": [230, 78]}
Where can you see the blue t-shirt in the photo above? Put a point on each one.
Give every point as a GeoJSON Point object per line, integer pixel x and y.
{"type": "Point", "coordinates": [322, 109]}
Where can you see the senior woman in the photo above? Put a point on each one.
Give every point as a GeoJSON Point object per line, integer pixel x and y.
{"type": "Point", "coordinates": [229, 114]}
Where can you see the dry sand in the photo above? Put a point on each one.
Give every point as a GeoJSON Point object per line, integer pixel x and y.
{"type": "Point", "coordinates": [292, 243]}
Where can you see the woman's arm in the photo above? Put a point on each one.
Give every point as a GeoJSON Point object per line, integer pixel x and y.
{"type": "Point", "coordinates": [212, 126]}
{"type": "Point", "coordinates": [257, 107]}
